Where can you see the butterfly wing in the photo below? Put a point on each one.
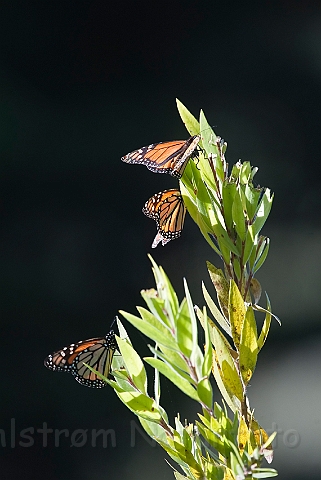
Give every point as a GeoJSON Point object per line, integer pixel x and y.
{"type": "Point", "coordinates": [165, 157]}
{"type": "Point", "coordinates": [168, 210]}
{"type": "Point", "coordinates": [97, 352]}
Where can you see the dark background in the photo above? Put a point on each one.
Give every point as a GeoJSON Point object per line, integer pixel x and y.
{"type": "Point", "coordinates": [81, 84]}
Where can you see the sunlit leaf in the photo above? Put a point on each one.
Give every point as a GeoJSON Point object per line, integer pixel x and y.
{"type": "Point", "coordinates": [248, 347]}
{"type": "Point", "coordinates": [174, 377]}
{"type": "Point", "coordinates": [189, 120]}
{"type": "Point", "coordinates": [237, 312]}
{"type": "Point", "coordinates": [133, 364]}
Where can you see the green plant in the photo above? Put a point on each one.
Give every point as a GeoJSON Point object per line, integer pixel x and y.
{"type": "Point", "coordinates": [230, 213]}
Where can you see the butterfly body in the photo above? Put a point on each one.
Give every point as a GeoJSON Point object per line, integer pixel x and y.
{"type": "Point", "coordinates": [97, 352]}
{"type": "Point", "coordinates": [165, 157]}
{"type": "Point", "coordinates": [168, 210]}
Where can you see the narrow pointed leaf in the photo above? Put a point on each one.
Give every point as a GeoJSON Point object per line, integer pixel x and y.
{"type": "Point", "coordinates": [266, 325]}
{"type": "Point", "coordinates": [189, 120]}
{"type": "Point", "coordinates": [221, 320]}
{"type": "Point", "coordinates": [167, 360]}
{"type": "Point", "coordinates": [228, 194]}
{"type": "Point", "coordinates": [236, 312]}
{"type": "Point", "coordinates": [184, 334]}
{"type": "Point", "coordinates": [207, 365]}
{"type": "Point", "coordinates": [150, 331]}
{"type": "Point", "coordinates": [238, 215]}
{"type": "Point", "coordinates": [205, 392]}
{"type": "Point", "coordinates": [231, 400]}
{"type": "Point", "coordinates": [263, 211]}
{"type": "Point", "coordinates": [174, 377]}
{"type": "Point", "coordinates": [243, 435]}
{"type": "Point", "coordinates": [154, 430]}
{"type": "Point", "coordinates": [221, 286]}
{"type": "Point", "coordinates": [248, 346]}
{"type": "Point", "coordinates": [261, 259]}
{"type": "Point", "coordinates": [264, 473]}
{"type": "Point", "coordinates": [252, 196]}
{"type": "Point", "coordinates": [141, 405]}
{"type": "Point", "coordinates": [229, 373]}
{"type": "Point", "coordinates": [193, 323]}
{"type": "Point", "coordinates": [133, 364]}
{"type": "Point", "coordinates": [248, 245]}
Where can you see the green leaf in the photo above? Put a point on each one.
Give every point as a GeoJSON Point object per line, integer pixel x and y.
{"type": "Point", "coordinates": [189, 459]}
{"type": "Point", "coordinates": [183, 372]}
{"type": "Point", "coordinates": [189, 120]}
{"type": "Point", "coordinates": [221, 286]}
{"type": "Point", "coordinates": [222, 235]}
{"type": "Point", "coordinates": [245, 173]}
{"type": "Point", "coordinates": [208, 135]}
{"type": "Point", "coordinates": [215, 472]}
{"type": "Point", "coordinates": [184, 335]}
{"type": "Point", "coordinates": [231, 400]}
{"type": "Point", "coordinates": [179, 476]}
{"type": "Point", "coordinates": [209, 140]}
{"type": "Point", "coordinates": [198, 206]}
{"type": "Point", "coordinates": [229, 373]}
{"type": "Point", "coordinates": [228, 194]}
{"type": "Point", "coordinates": [212, 146]}
{"type": "Point", "coordinates": [165, 289]}
{"type": "Point", "coordinates": [157, 387]}
{"type": "Point", "coordinates": [207, 364]}
{"type": "Point", "coordinates": [252, 196]}
{"type": "Point", "coordinates": [154, 430]}
{"type": "Point", "coordinates": [263, 211]}
{"type": "Point", "coordinates": [238, 215]}
{"type": "Point", "coordinates": [236, 312]}
{"type": "Point", "coordinates": [266, 325]}
{"type": "Point", "coordinates": [204, 387]}
{"type": "Point", "coordinates": [248, 245]}
{"type": "Point", "coordinates": [205, 392]}
{"type": "Point", "coordinates": [133, 364]}
{"type": "Point", "coordinates": [142, 405]}
{"type": "Point", "coordinates": [248, 346]}
{"type": "Point", "coordinates": [174, 377]}
{"type": "Point", "coordinates": [269, 440]}
{"type": "Point", "coordinates": [174, 358]}
{"type": "Point", "coordinates": [150, 331]}
{"type": "Point", "coordinates": [156, 305]}
{"type": "Point", "coordinates": [193, 325]}
{"type": "Point", "coordinates": [237, 267]}
{"type": "Point", "coordinates": [121, 329]}
{"type": "Point", "coordinates": [212, 438]}
{"type": "Point", "coordinates": [151, 319]}
{"type": "Point", "coordinates": [221, 320]}
{"type": "Point", "coordinates": [123, 380]}
{"type": "Point", "coordinates": [261, 259]}
{"type": "Point", "coordinates": [264, 473]}
{"type": "Point", "coordinates": [212, 326]}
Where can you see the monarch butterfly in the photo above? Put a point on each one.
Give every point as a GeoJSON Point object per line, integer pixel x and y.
{"type": "Point", "coordinates": [168, 210]}
{"type": "Point", "coordinates": [97, 352]}
{"type": "Point", "coordinates": [165, 157]}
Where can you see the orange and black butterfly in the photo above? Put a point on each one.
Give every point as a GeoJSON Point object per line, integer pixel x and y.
{"type": "Point", "coordinates": [168, 210]}
{"type": "Point", "coordinates": [165, 157]}
{"type": "Point", "coordinates": [97, 352]}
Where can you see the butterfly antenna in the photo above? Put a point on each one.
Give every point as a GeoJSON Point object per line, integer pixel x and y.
{"type": "Point", "coordinates": [112, 323]}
